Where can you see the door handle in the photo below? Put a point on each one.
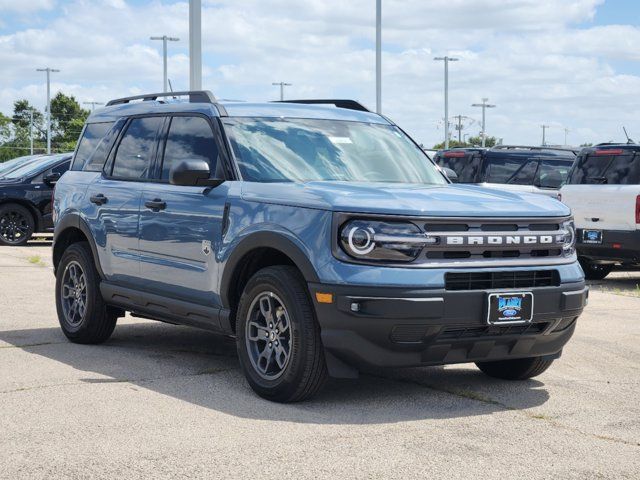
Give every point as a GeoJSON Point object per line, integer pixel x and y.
{"type": "Point", "coordinates": [156, 205]}
{"type": "Point", "coordinates": [98, 199]}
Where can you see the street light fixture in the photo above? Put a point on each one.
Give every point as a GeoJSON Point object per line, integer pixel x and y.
{"type": "Point", "coordinates": [49, 72]}
{"type": "Point", "coordinates": [195, 45]}
{"type": "Point", "coordinates": [378, 56]}
{"type": "Point", "coordinates": [165, 39]}
{"type": "Point", "coordinates": [446, 60]}
{"type": "Point", "coordinates": [484, 106]}
{"type": "Point", "coordinates": [282, 85]}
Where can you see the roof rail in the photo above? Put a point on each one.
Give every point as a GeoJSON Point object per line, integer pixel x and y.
{"type": "Point", "coordinates": [195, 96]}
{"type": "Point", "coordinates": [529, 147]}
{"type": "Point", "coordinates": [349, 104]}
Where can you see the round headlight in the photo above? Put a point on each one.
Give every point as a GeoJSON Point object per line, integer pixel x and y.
{"type": "Point", "coordinates": [382, 241]}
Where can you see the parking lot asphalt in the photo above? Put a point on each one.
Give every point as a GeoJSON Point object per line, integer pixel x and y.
{"type": "Point", "coordinates": [162, 401]}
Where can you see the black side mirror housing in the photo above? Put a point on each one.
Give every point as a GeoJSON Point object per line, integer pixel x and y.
{"type": "Point", "coordinates": [450, 174]}
{"type": "Point", "coordinates": [192, 173]}
{"type": "Point", "coordinates": [52, 178]}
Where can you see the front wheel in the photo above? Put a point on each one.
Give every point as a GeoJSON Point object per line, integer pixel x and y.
{"type": "Point", "coordinates": [16, 225]}
{"type": "Point", "coordinates": [595, 271]}
{"type": "Point", "coordinates": [278, 337]}
{"type": "Point", "coordinates": [82, 313]}
{"type": "Point", "coordinates": [518, 369]}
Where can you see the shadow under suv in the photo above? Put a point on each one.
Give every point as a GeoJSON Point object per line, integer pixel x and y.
{"type": "Point", "coordinates": [320, 237]}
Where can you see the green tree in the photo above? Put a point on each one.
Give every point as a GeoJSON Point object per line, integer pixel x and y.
{"type": "Point", "coordinates": [67, 118]}
{"type": "Point", "coordinates": [471, 142]}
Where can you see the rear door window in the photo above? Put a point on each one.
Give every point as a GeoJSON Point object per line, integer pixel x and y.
{"type": "Point", "coordinates": [466, 166]}
{"type": "Point", "coordinates": [91, 137]}
{"type": "Point", "coordinates": [552, 173]}
{"type": "Point", "coordinates": [134, 156]}
{"type": "Point", "coordinates": [189, 138]}
{"type": "Point", "coordinates": [607, 169]}
{"type": "Point", "coordinates": [513, 171]}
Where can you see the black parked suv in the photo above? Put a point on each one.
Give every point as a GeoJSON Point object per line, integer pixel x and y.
{"type": "Point", "coordinates": [509, 167]}
{"type": "Point", "coordinates": [25, 196]}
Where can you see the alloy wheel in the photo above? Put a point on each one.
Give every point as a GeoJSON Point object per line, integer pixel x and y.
{"type": "Point", "coordinates": [269, 335]}
{"type": "Point", "coordinates": [14, 227]}
{"type": "Point", "coordinates": [74, 293]}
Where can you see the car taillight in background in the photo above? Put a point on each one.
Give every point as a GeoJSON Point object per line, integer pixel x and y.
{"type": "Point", "coordinates": [610, 151]}
{"type": "Point", "coordinates": [638, 209]}
{"type": "Point", "coordinates": [454, 154]}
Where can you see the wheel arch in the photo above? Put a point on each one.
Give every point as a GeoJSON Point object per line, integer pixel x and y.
{"type": "Point", "coordinates": [37, 215]}
{"type": "Point", "coordinates": [71, 229]}
{"type": "Point", "coordinates": [257, 251]}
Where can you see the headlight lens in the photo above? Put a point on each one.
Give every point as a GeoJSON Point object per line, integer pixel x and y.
{"type": "Point", "coordinates": [375, 240]}
{"type": "Point", "coordinates": [569, 238]}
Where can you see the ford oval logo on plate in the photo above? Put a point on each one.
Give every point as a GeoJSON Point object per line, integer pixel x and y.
{"type": "Point", "coordinates": [510, 312]}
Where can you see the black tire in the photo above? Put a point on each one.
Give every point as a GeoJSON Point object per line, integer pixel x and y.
{"type": "Point", "coordinates": [518, 369]}
{"type": "Point", "coordinates": [595, 271]}
{"type": "Point", "coordinates": [16, 225]}
{"type": "Point", "coordinates": [95, 321]}
{"type": "Point", "coordinates": [305, 370]}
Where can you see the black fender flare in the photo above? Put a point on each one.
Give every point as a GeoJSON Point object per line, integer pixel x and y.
{"type": "Point", "coordinates": [274, 240]}
{"type": "Point", "coordinates": [74, 220]}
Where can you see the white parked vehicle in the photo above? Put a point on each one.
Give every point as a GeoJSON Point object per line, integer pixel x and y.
{"type": "Point", "coordinates": [603, 191]}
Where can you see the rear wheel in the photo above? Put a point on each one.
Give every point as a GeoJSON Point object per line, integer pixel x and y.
{"type": "Point", "coordinates": [82, 313]}
{"type": "Point", "coordinates": [278, 338]}
{"type": "Point", "coordinates": [518, 369]}
{"type": "Point", "coordinates": [595, 271]}
{"type": "Point", "coordinates": [16, 225]}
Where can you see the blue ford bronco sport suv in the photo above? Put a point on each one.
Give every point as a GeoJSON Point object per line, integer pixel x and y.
{"type": "Point", "coordinates": [320, 236]}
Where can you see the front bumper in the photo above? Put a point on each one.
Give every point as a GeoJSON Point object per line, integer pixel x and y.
{"type": "Point", "coordinates": [372, 327]}
{"type": "Point", "coordinates": [618, 246]}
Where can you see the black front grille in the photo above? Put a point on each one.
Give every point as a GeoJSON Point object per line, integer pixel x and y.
{"type": "Point", "coordinates": [462, 333]}
{"type": "Point", "coordinates": [502, 280]}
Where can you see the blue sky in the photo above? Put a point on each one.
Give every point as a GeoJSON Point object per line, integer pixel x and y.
{"type": "Point", "coordinates": [570, 64]}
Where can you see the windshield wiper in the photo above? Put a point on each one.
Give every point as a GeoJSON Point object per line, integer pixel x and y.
{"type": "Point", "coordinates": [600, 180]}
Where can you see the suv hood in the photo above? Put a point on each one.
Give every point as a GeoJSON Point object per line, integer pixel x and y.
{"type": "Point", "coordinates": [406, 199]}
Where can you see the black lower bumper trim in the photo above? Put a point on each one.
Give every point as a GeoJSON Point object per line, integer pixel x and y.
{"type": "Point", "coordinates": [372, 327]}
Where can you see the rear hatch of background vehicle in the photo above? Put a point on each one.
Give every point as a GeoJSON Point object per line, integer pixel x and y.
{"type": "Point", "coordinates": [465, 162]}
{"type": "Point", "coordinates": [603, 188]}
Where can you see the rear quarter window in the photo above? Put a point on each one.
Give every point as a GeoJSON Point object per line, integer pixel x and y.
{"type": "Point", "coordinates": [607, 169]}
{"type": "Point", "coordinates": [92, 136]}
{"type": "Point", "coordinates": [466, 167]}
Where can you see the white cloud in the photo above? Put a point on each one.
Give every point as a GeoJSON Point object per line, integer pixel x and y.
{"type": "Point", "coordinates": [530, 57]}
{"type": "Point", "coordinates": [27, 6]}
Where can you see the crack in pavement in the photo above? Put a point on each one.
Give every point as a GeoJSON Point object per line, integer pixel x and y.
{"type": "Point", "coordinates": [478, 397]}
{"type": "Point", "coordinates": [136, 381]}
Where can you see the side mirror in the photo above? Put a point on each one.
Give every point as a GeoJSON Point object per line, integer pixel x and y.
{"type": "Point", "coordinates": [192, 173]}
{"type": "Point", "coordinates": [450, 174]}
{"type": "Point", "coordinates": [52, 178]}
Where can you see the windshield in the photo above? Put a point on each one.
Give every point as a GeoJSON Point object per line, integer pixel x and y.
{"type": "Point", "coordinates": [33, 167]}
{"type": "Point", "coordinates": [301, 150]}
{"type": "Point", "coordinates": [9, 165]}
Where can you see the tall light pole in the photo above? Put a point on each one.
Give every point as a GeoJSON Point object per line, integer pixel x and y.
{"type": "Point", "coordinates": [566, 133]}
{"type": "Point", "coordinates": [195, 45]}
{"type": "Point", "coordinates": [31, 130]}
{"type": "Point", "coordinates": [379, 56]}
{"type": "Point", "coordinates": [93, 104]}
{"type": "Point", "coordinates": [484, 106]}
{"type": "Point", "coordinates": [282, 85]}
{"type": "Point", "coordinates": [446, 96]}
{"type": "Point", "coordinates": [544, 134]}
{"type": "Point", "coordinates": [49, 72]}
{"type": "Point", "coordinates": [165, 39]}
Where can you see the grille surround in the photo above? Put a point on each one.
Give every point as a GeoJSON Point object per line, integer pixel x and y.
{"type": "Point", "coordinates": [487, 254]}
